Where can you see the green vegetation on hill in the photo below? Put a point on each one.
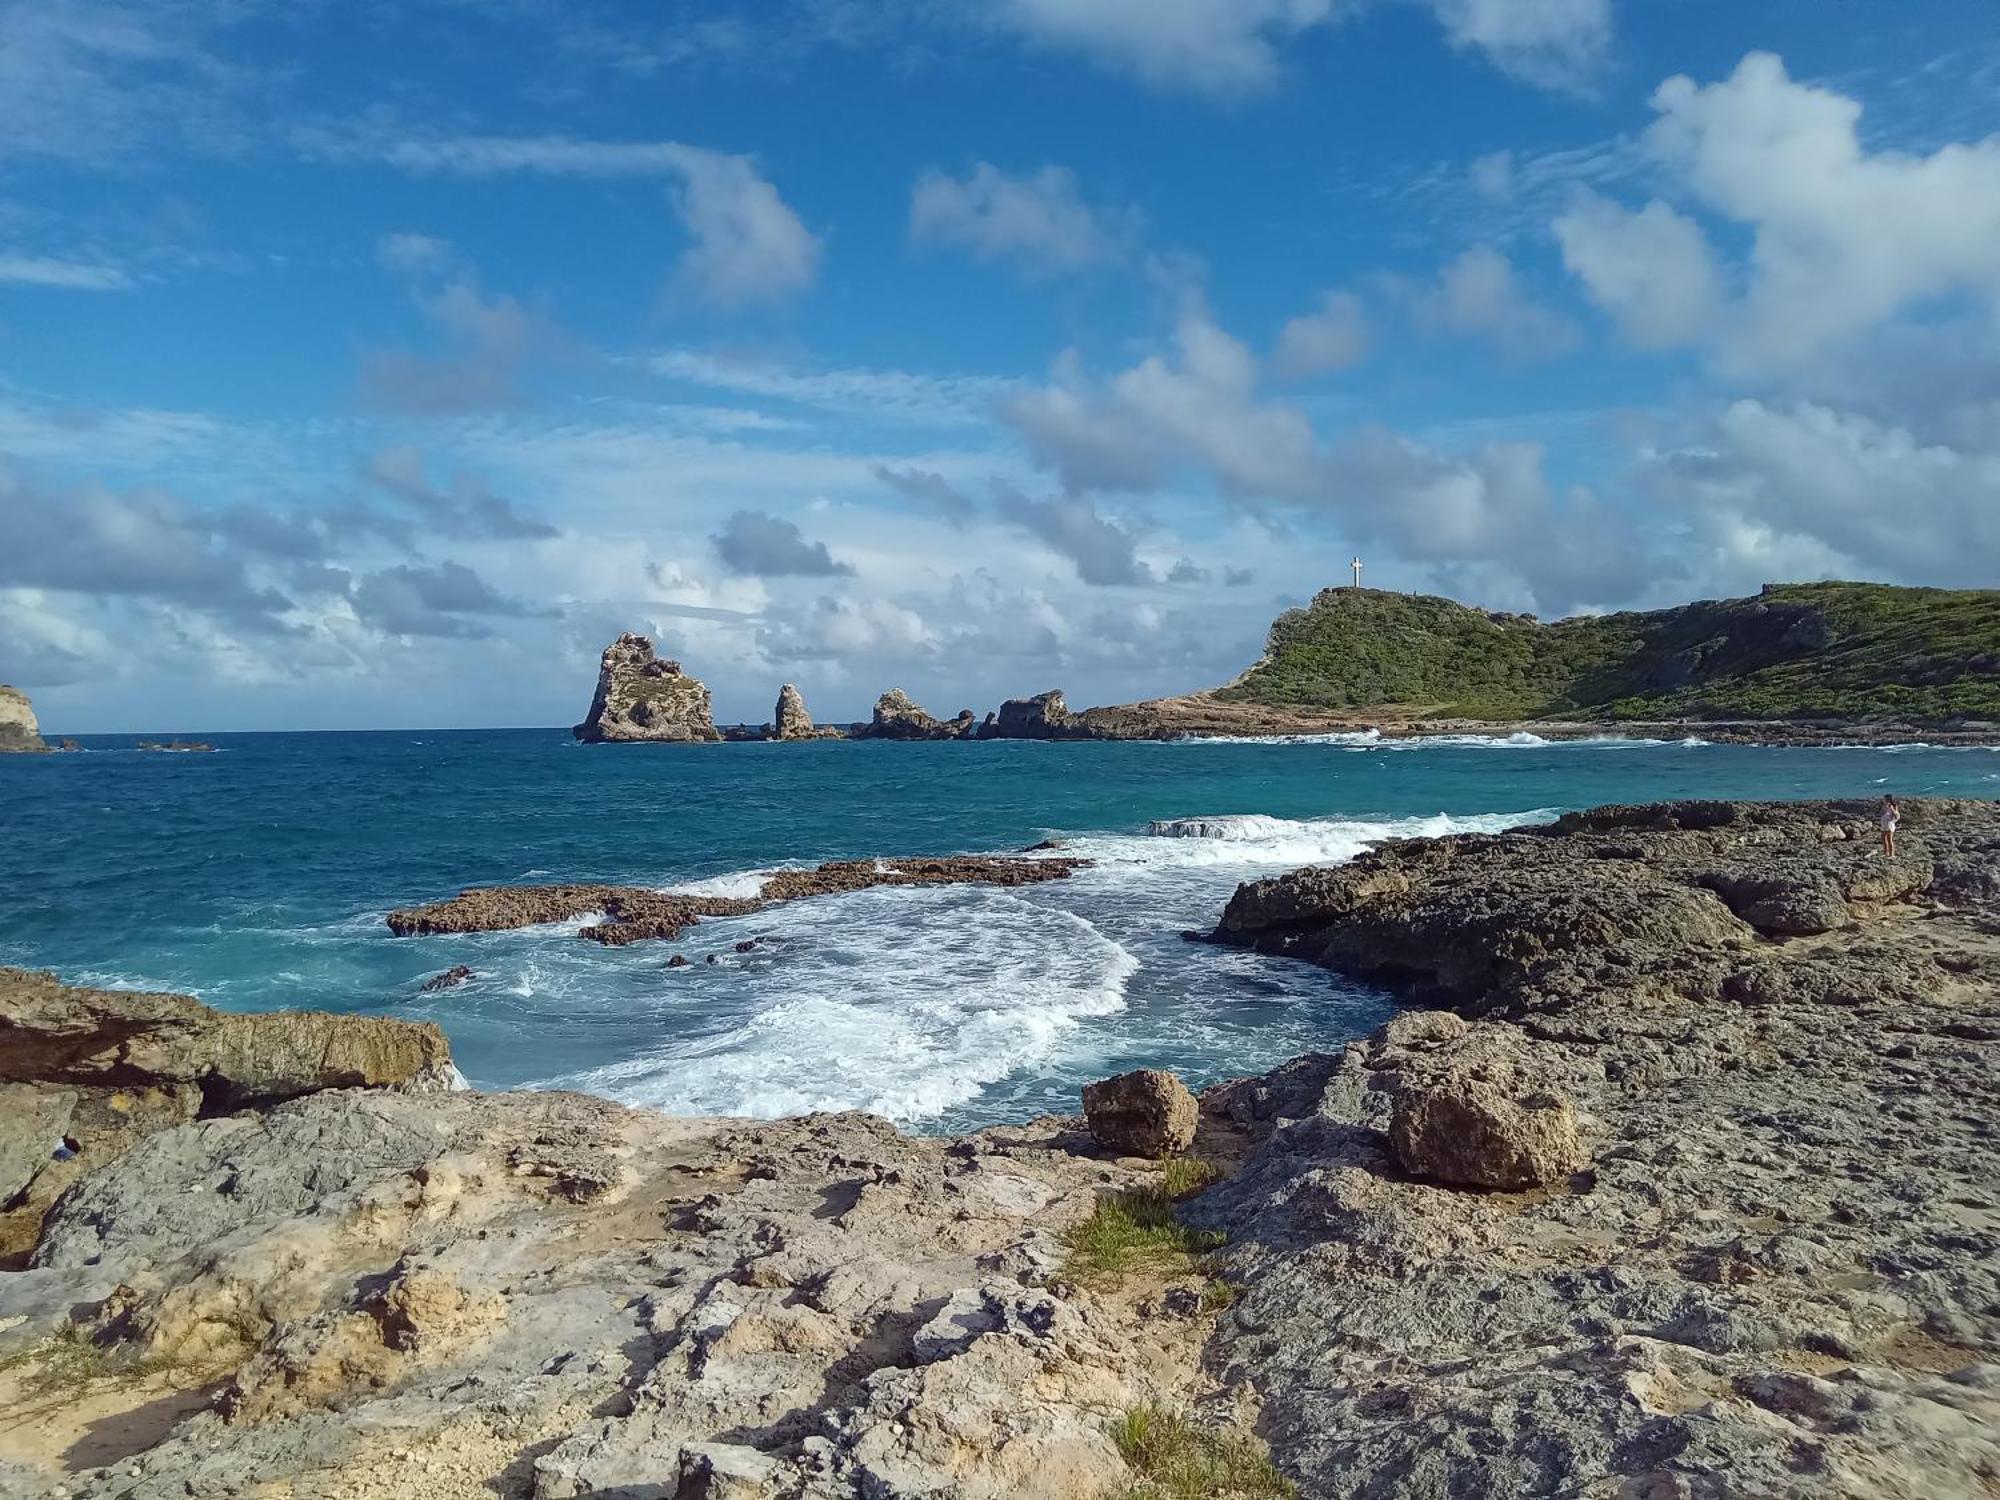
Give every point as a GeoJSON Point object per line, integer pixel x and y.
{"type": "Point", "coordinates": [1795, 651]}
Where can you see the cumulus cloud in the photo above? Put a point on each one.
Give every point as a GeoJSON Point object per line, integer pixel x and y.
{"type": "Point", "coordinates": [464, 508]}
{"type": "Point", "coordinates": [1101, 550]}
{"type": "Point", "coordinates": [1332, 337]}
{"type": "Point", "coordinates": [1187, 570]}
{"type": "Point", "coordinates": [1231, 47]}
{"type": "Point", "coordinates": [1480, 295]}
{"type": "Point", "coordinates": [746, 244]}
{"type": "Point", "coordinates": [931, 489]}
{"type": "Point", "coordinates": [1766, 484]}
{"type": "Point", "coordinates": [755, 542]}
{"type": "Point", "coordinates": [1843, 239]}
{"type": "Point", "coordinates": [448, 599]}
{"type": "Point", "coordinates": [1038, 220]}
{"type": "Point", "coordinates": [1554, 43]}
{"type": "Point", "coordinates": [1652, 271]}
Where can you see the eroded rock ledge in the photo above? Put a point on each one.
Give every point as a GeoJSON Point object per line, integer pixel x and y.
{"type": "Point", "coordinates": [1675, 1202]}
{"type": "Point", "coordinates": [1778, 1270]}
{"type": "Point", "coordinates": [634, 913]}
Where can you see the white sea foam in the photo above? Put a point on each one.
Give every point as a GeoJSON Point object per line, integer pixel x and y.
{"type": "Point", "coordinates": [1258, 839]}
{"type": "Point", "coordinates": [905, 1002]}
{"type": "Point", "coordinates": [744, 885]}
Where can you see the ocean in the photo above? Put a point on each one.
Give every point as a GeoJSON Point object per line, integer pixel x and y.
{"type": "Point", "coordinates": [257, 878]}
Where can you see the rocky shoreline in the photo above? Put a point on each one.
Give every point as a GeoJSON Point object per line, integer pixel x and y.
{"type": "Point", "coordinates": [641, 697]}
{"type": "Point", "coordinates": [1679, 1186]}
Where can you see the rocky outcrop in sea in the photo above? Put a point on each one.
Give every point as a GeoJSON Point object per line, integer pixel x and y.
{"type": "Point", "coordinates": [18, 729]}
{"type": "Point", "coordinates": [898, 717]}
{"type": "Point", "coordinates": [1675, 1179]}
{"type": "Point", "coordinates": [644, 697]}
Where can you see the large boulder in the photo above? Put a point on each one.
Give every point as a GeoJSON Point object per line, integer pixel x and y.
{"type": "Point", "coordinates": [1147, 1112]}
{"type": "Point", "coordinates": [644, 697]}
{"type": "Point", "coordinates": [18, 729]}
{"type": "Point", "coordinates": [1461, 1129]}
{"type": "Point", "coordinates": [900, 717]}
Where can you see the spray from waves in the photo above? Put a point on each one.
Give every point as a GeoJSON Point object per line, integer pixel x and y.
{"type": "Point", "coordinates": [1257, 839]}
{"type": "Point", "coordinates": [905, 1003]}
{"type": "Point", "coordinates": [1374, 739]}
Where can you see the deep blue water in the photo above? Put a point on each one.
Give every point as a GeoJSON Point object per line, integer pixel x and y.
{"type": "Point", "coordinates": [257, 877]}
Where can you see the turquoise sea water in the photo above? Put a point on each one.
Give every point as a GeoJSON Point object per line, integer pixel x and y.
{"type": "Point", "coordinates": [257, 877]}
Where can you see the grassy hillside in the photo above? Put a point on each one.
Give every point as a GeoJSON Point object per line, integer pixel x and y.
{"type": "Point", "coordinates": [1795, 651]}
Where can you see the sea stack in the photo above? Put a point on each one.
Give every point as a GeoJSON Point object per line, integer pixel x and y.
{"type": "Point", "coordinates": [791, 721]}
{"type": "Point", "coordinates": [643, 697]}
{"type": "Point", "coordinates": [18, 730]}
{"type": "Point", "coordinates": [899, 717]}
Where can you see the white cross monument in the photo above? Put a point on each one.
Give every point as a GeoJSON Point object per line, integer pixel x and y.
{"type": "Point", "coordinates": [1356, 565]}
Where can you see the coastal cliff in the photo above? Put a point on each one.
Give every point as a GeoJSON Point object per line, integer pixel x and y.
{"type": "Point", "coordinates": [1681, 1185]}
{"type": "Point", "coordinates": [643, 697]}
{"type": "Point", "coordinates": [18, 730]}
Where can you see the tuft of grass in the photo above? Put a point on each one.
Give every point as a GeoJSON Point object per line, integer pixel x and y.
{"type": "Point", "coordinates": [1176, 1459]}
{"type": "Point", "coordinates": [1137, 1228]}
{"type": "Point", "coordinates": [1218, 1294]}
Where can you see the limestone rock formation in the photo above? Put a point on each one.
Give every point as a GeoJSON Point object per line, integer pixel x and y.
{"type": "Point", "coordinates": [103, 1069]}
{"type": "Point", "coordinates": [643, 697]}
{"type": "Point", "coordinates": [1147, 1112]}
{"type": "Point", "coordinates": [18, 729]}
{"type": "Point", "coordinates": [1042, 717]}
{"type": "Point", "coordinates": [791, 721]}
{"type": "Point", "coordinates": [898, 717]}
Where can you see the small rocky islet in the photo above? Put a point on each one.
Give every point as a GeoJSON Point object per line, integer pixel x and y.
{"type": "Point", "coordinates": [1675, 1179]}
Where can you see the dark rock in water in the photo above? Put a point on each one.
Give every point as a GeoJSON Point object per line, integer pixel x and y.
{"type": "Point", "coordinates": [1044, 846]}
{"type": "Point", "coordinates": [897, 717]}
{"type": "Point", "coordinates": [1147, 1112]}
{"type": "Point", "coordinates": [678, 961]}
{"type": "Point", "coordinates": [18, 730]}
{"type": "Point", "coordinates": [451, 978]}
{"type": "Point", "coordinates": [177, 747]}
{"type": "Point", "coordinates": [713, 959]}
{"type": "Point", "coordinates": [633, 912]}
{"type": "Point", "coordinates": [69, 745]}
{"type": "Point", "coordinates": [642, 697]}
{"type": "Point", "coordinates": [748, 945]}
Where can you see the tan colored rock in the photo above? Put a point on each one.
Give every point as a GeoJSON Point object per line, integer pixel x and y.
{"type": "Point", "coordinates": [643, 697]}
{"type": "Point", "coordinates": [900, 717]}
{"type": "Point", "coordinates": [1460, 1129]}
{"type": "Point", "coordinates": [18, 729]}
{"type": "Point", "coordinates": [1147, 1112]}
{"type": "Point", "coordinates": [791, 721]}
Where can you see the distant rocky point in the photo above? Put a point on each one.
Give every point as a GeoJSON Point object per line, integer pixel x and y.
{"type": "Point", "coordinates": [18, 730]}
{"type": "Point", "coordinates": [642, 697]}
{"type": "Point", "coordinates": [169, 747]}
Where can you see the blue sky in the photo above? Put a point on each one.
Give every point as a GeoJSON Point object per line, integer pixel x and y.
{"type": "Point", "coordinates": [375, 363]}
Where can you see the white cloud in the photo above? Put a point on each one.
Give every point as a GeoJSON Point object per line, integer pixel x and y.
{"type": "Point", "coordinates": [70, 275]}
{"type": "Point", "coordinates": [1039, 219]}
{"type": "Point", "coordinates": [1231, 47]}
{"type": "Point", "coordinates": [1651, 270]}
{"type": "Point", "coordinates": [1555, 43]}
{"type": "Point", "coordinates": [1331, 338]}
{"type": "Point", "coordinates": [1493, 176]}
{"type": "Point", "coordinates": [899, 396]}
{"type": "Point", "coordinates": [1863, 496]}
{"type": "Point", "coordinates": [747, 244]}
{"type": "Point", "coordinates": [1479, 295]}
{"type": "Point", "coordinates": [1844, 239]}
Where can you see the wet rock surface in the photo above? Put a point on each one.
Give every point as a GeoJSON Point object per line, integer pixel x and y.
{"type": "Point", "coordinates": [644, 697]}
{"type": "Point", "coordinates": [633, 913]}
{"type": "Point", "coordinates": [1775, 1275]}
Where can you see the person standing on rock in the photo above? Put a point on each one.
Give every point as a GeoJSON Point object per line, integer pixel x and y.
{"type": "Point", "coordinates": [1890, 814]}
